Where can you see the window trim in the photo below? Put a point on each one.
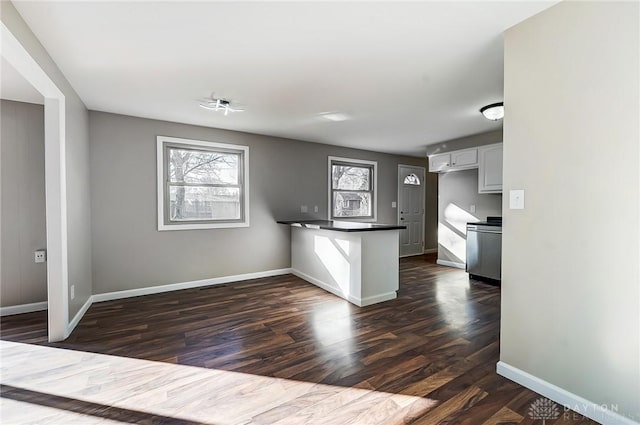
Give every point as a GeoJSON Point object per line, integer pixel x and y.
{"type": "Point", "coordinates": [162, 184]}
{"type": "Point", "coordinates": [356, 162]}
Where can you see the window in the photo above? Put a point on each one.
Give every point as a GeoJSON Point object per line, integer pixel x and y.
{"type": "Point", "coordinates": [352, 188]}
{"type": "Point", "coordinates": [202, 185]}
{"type": "Point", "coordinates": [412, 179]}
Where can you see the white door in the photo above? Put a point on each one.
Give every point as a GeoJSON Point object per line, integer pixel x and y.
{"type": "Point", "coordinates": [411, 209]}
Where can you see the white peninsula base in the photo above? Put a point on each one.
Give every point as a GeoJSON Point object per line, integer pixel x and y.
{"type": "Point", "coordinates": [361, 267]}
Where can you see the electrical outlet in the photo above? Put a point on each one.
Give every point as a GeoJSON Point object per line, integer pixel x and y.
{"type": "Point", "coordinates": [73, 291]}
{"type": "Point", "coordinates": [472, 208]}
{"type": "Point", "coordinates": [40, 256]}
{"type": "Point", "coordinates": [303, 209]}
{"type": "Point", "coordinates": [315, 208]}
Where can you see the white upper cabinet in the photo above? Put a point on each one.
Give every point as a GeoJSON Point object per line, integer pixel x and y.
{"type": "Point", "coordinates": [490, 169]}
{"type": "Point", "coordinates": [487, 159]}
{"type": "Point", "coordinates": [453, 161]}
{"type": "Point", "coordinates": [438, 163]}
{"type": "Point", "coordinates": [465, 158]}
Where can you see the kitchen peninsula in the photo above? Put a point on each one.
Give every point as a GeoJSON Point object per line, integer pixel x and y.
{"type": "Point", "coordinates": [356, 261]}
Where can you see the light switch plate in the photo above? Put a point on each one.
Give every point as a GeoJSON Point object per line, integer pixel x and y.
{"type": "Point", "coordinates": [516, 199]}
{"type": "Point", "coordinates": [303, 209]}
{"type": "Point", "coordinates": [393, 204]}
{"type": "Point", "coordinates": [472, 208]}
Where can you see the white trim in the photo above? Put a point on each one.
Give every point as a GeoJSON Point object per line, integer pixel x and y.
{"type": "Point", "coordinates": [363, 302]}
{"type": "Point", "coordinates": [561, 396]}
{"type": "Point", "coordinates": [55, 180]}
{"type": "Point", "coordinates": [76, 319]}
{"type": "Point", "coordinates": [451, 264]}
{"type": "Point", "coordinates": [23, 308]}
{"type": "Point", "coordinates": [322, 285]}
{"type": "Point", "coordinates": [108, 296]}
{"type": "Point", "coordinates": [160, 183]}
{"type": "Point", "coordinates": [424, 251]}
{"type": "Point", "coordinates": [375, 187]}
{"type": "Point", "coordinates": [360, 302]}
{"type": "Point", "coordinates": [423, 184]}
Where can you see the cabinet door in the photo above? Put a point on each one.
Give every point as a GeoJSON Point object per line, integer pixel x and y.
{"type": "Point", "coordinates": [466, 158]}
{"type": "Point", "coordinates": [440, 162]}
{"type": "Point", "coordinates": [490, 170]}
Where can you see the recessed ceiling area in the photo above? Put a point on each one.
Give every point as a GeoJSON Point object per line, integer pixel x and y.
{"type": "Point", "coordinates": [13, 86]}
{"type": "Point", "coordinates": [404, 74]}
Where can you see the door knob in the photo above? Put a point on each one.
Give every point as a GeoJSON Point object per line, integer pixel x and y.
{"type": "Point", "coordinates": [401, 218]}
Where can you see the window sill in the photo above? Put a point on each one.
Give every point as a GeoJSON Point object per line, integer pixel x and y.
{"type": "Point", "coordinates": [200, 226]}
{"type": "Point", "coordinates": [360, 220]}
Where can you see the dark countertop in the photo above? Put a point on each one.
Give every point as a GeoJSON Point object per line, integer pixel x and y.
{"type": "Point", "coordinates": [341, 226]}
{"type": "Point", "coordinates": [486, 223]}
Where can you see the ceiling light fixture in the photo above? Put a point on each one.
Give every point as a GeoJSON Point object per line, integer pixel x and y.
{"type": "Point", "coordinates": [493, 112]}
{"type": "Point", "coordinates": [216, 104]}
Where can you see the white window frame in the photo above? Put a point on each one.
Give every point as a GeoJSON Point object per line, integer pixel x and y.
{"type": "Point", "coordinates": [162, 225]}
{"type": "Point", "coordinates": [355, 162]}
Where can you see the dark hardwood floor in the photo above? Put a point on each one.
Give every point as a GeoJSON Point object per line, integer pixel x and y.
{"type": "Point", "coordinates": [439, 339]}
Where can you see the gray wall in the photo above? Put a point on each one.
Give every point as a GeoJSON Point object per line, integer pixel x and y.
{"type": "Point", "coordinates": [570, 291]}
{"type": "Point", "coordinates": [77, 161]}
{"type": "Point", "coordinates": [22, 227]}
{"type": "Point", "coordinates": [431, 210]}
{"type": "Point", "coordinates": [458, 190]}
{"type": "Point", "coordinates": [466, 142]}
{"type": "Point", "coordinates": [129, 252]}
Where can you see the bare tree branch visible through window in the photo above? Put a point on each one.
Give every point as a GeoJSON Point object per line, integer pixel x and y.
{"type": "Point", "coordinates": [191, 176]}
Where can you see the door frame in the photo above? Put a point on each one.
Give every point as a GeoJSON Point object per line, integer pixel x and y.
{"type": "Point", "coordinates": [55, 181]}
{"type": "Point", "coordinates": [424, 199]}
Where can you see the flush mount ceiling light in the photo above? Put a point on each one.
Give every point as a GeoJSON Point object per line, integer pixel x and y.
{"type": "Point", "coordinates": [493, 112]}
{"type": "Point", "coordinates": [219, 105]}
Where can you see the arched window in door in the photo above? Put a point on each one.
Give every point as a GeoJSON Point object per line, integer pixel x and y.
{"type": "Point", "coordinates": [412, 179]}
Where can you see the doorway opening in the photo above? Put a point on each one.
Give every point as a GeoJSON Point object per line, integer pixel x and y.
{"type": "Point", "coordinates": [16, 56]}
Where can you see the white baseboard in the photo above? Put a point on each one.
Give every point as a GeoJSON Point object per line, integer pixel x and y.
{"type": "Point", "coordinates": [319, 283]}
{"type": "Point", "coordinates": [360, 302]}
{"type": "Point", "coordinates": [452, 264]}
{"type": "Point", "coordinates": [605, 416]}
{"type": "Point", "coordinates": [96, 298]}
{"type": "Point", "coordinates": [424, 251]}
{"type": "Point", "coordinates": [76, 319]}
{"type": "Point", "coordinates": [23, 308]}
{"type": "Point", "coordinates": [363, 302]}
{"type": "Point", "coordinates": [108, 296]}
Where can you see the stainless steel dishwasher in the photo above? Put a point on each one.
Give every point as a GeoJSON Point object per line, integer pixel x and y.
{"type": "Point", "coordinates": [484, 249]}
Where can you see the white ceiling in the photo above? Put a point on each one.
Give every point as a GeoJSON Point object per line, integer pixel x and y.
{"type": "Point", "coordinates": [13, 86]}
{"type": "Point", "coordinates": [407, 74]}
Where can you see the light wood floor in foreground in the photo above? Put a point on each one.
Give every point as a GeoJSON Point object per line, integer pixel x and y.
{"type": "Point", "coordinates": [272, 351]}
